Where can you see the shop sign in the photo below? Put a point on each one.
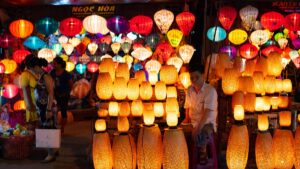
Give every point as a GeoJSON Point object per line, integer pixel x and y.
{"type": "Point", "coordinates": [287, 6]}
{"type": "Point", "coordinates": [94, 9]}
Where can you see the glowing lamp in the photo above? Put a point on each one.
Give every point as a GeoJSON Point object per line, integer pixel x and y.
{"type": "Point", "coordinates": [153, 77]}
{"type": "Point", "coordinates": [171, 91]}
{"type": "Point", "coordinates": [57, 48]}
{"type": "Point", "coordinates": [6, 40]}
{"type": "Point", "coordinates": [126, 47]}
{"type": "Point", "coordinates": [47, 54]}
{"type": "Point", "coordinates": [274, 64]}
{"type": "Point", "coordinates": [186, 52]}
{"type": "Point", "coordinates": [19, 105]}
{"type": "Point", "coordinates": [248, 15]}
{"type": "Point", "coordinates": [133, 89]}
{"type": "Point", "coordinates": [164, 51]}
{"type": "Point", "coordinates": [283, 101]}
{"type": "Point", "coordinates": [237, 98]}
{"type": "Point", "coordinates": [163, 20]}
{"type": "Point", "coordinates": [160, 90]}
{"type": "Point", "coordinates": [140, 76]}
{"type": "Point", "coordinates": [124, 109]}
{"type": "Point", "coordinates": [274, 101]}
{"type": "Point", "coordinates": [238, 112]}
{"type": "Point", "coordinates": [185, 21]}
{"type": "Point", "coordinates": [68, 48]}
{"type": "Point", "coordinates": [172, 105]}
{"type": "Point", "coordinates": [113, 109]}
{"type": "Point", "coordinates": [146, 90]}
{"type": "Point", "coordinates": [259, 104]}
{"type": "Point", "coordinates": [102, 153]}
{"type": "Point", "coordinates": [9, 91]}
{"type": "Point", "coordinates": [70, 66]}
{"type": "Point", "coordinates": [259, 37]}
{"type": "Point", "coordinates": [104, 86]}
{"type": "Point", "coordinates": [272, 48]}
{"type": "Point", "coordinates": [148, 117]}
{"type": "Point", "coordinates": [141, 24]}
{"type": "Point", "coordinates": [263, 150]}
{"type": "Point", "coordinates": [269, 84]}
{"type": "Point", "coordinates": [95, 24]}
{"type": "Point", "coordinates": [92, 67]}
{"type": "Point", "coordinates": [80, 68]}
{"type": "Point", "coordinates": [272, 20]}
{"type": "Point", "coordinates": [292, 22]}
{"type": "Point", "coordinates": [20, 55]}
{"type": "Point", "coordinates": [230, 81]}
{"type": "Point", "coordinates": [174, 37]}
{"type": "Point", "coordinates": [285, 118]}
{"type": "Point", "coordinates": [226, 16]}
{"type": "Point", "coordinates": [107, 65]}
{"type": "Point", "coordinates": [223, 62]}
{"type": "Point", "coordinates": [216, 34]}
{"type": "Point", "coordinates": [34, 42]}
{"type": "Point", "coordinates": [123, 71]}
{"type": "Point", "coordinates": [141, 53]}
{"type": "Point", "coordinates": [137, 108]}
{"type": "Point", "coordinates": [158, 108]}
{"type": "Point", "coordinates": [168, 74]}
{"type": "Point", "coordinates": [262, 65]}
{"type": "Point", "coordinates": [175, 61]}
{"type": "Point", "coordinates": [46, 26]}
{"type": "Point", "coordinates": [21, 28]}
{"type": "Point", "coordinates": [246, 84]}
{"type": "Point", "coordinates": [237, 36]}
{"type": "Point", "coordinates": [287, 85]}
{"type": "Point", "coordinates": [263, 122]}
{"type": "Point", "coordinates": [115, 47]}
{"type": "Point", "coordinates": [92, 47]}
{"type": "Point", "coordinates": [172, 119]}
{"type": "Point", "coordinates": [70, 26]}
{"type": "Point", "coordinates": [63, 39]}
{"type": "Point", "coordinates": [185, 79]}
{"type": "Point", "coordinates": [10, 65]}
{"type": "Point", "coordinates": [249, 102]}
{"type": "Point", "coordinates": [100, 125]}
{"type": "Point", "coordinates": [123, 124]}
{"type": "Point", "coordinates": [153, 66]}
{"type": "Point", "coordinates": [74, 41]}
{"type": "Point", "coordinates": [102, 113]}
{"type": "Point", "coordinates": [120, 88]}
{"type": "Point", "coordinates": [248, 51]}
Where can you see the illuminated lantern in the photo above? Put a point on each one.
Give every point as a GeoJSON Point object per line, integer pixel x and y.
{"type": "Point", "coordinates": [248, 15]}
{"type": "Point", "coordinates": [137, 108]}
{"type": "Point", "coordinates": [164, 51]}
{"type": "Point", "coordinates": [70, 66]}
{"type": "Point", "coordinates": [102, 113]}
{"type": "Point", "coordinates": [171, 91]}
{"type": "Point", "coordinates": [115, 47]}
{"type": "Point", "coordinates": [226, 16]}
{"type": "Point", "coordinates": [63, 39]}
{"type": "Point", "coordinates": [160, 90]}
{"type": "Point", "coordinates": [237, 36]}
{"type": "Point", "coordinates": [285, 118]}
{"type": "Point", "coordinates": [163, 20]}
{"type": "Point", "coordinates": [274, 101]}
{"type": "Point", "coordinates": [92, 67]}
{"type": "Point", "coordinates": [259, 37]}
{"type": "Point", "coordinates": [262, 65]}
{"type": "Point", "coordinates": [113, 109]}
{"type": "Point", "coordinates": [84, 59]}
{"type": "Point", "coordinates": [185, 79]}
{"type": "Point", "coordinates": [249, 102]}
{"type": "Point", "coordinates": [216, 34]}
{"type": "Point", "coordinates": [81, 88]}
{"type": "Point", "coordinates": [70, 26]}
{"type": "Point", "coordinates": [223, 62]}
{"type": "Point", "coordinates": [80, 68]}
{"type": "Point", "coordinates": [47, 54]}
{"type": "Point", "coordinates": [20, 55]}
{"type": "Point", "coordinates": [292, 22]}
{"type": "Point", "coordinates": [120, 88]}
{"type": "Point", "coordinates": [21, 28]}
{"type": "Point", "coordinates": [274, 64]}
{"type": "Point", "coordinates": [9, 91]}
{"type": "Point", "coordinates": [249, 68]}
{"type": "Point", "coordinates": [19, 105]}
{"type": "Point", "coordinates": [104, 86]}
{"type": "Point", "coordinates": [10, 65]}
{"type": "Point", "coordinates": [124, 109]}
{"type": "Point", "coordinates": [95, 24]}
{"type": "Point", "coordinates": [283, 101]}
{"type": "Point", "coordinates": [269, 84]}
{"type": "Point", "coordinates": [141, 53]}
{"type": "Point", "coordinates": [92, 47]}
{"type": "Point", "coordinates": [148, 114]}
{"type": "Point", "coordinates": [263, 122]}
{"type": "Point", "coordinates": [237, 98]}
{"type": "Point", "coordinates": [153, 77]}
{"type": "Point", "coordinates": [68, 48]}
{"type": "Point", "coordinates": [123, 71]}
{"type": "Point", "coordinates": [126, 47]}
{"type": "Point", "coordinates": [100, 125]}
{"type": "Point", "coordinates": [153, 66]}
{"type": "Point", "coordinates": [259, 104]}
{"type": "Point", "coordinates": [133, 89]}
{"type": "Point", "coordinates": [158, 108]}
{"type": "Point", "coordinates": [230, 81]}
{"type": "Point", "coordinates": [57, 48]}
{"type": "Point", "coordinates": [74, 41]}
{"type": "Point", "coordinates": [238, 112]}
{"type": "Point", "coordinates": [186, 52]}
{"type": "Point", "coordinates": [172, 106]}
{"type": "Point", "coordinates": [185, 21]}
{"type": "Point", "coordinates": [146, 90]}
{"type": "Point", "coordinates": [141, 24]}
{"type": "Point", "coordinates": [107, 65]}
{"type": "Point", "coordinates": [248, 51]}
{"type": "Point", "coordinates": [81, 48]}
{"type": "Point", "coordinates": [272, 48]}
{"type": "Point", "coordinates": [152, 40]}
{"type": "Point", "coordinates": [294, 55]}
{"type": "Point", "coordinates": [272, 20]}
{"type": "Point", "coordinates": [46, 26]}
{"type": "Point", "coordinates": [267, 103]}
{"type": "Point", "coordinates": [229, 50]}
{"type": "Point", "coordinates": [286, 85]}
{"type": "Point", "coordinates": [278, 85]}
{"type": "Point", "coordinates": [246, 84]}
{"type": "Point", "coordinates": [172, 119]}
{"type": "Point", "coordinates": [140, 76]}
{"type": "Point", "coordinates": [296, 43]}
{"type": "Point", "coordinates": [34, 43]}
{"type": "Point", "coordinates": [175, 61]}
{"type": "Point", "coordinates": [174, 37]}
{"type": "Point", "coordinates": [118, 24]}
{"type": "Point", "coordinates": [2, 68]}
{"type": "Point", "coordinates": [168, 74]}
{"type": "Point", "coordinates": [6, 40]}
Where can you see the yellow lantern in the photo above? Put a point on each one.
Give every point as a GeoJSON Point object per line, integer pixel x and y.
{"type": "Point", "coordinates": [107, 65]}
{"type": "Point", "coordinates": [92, 47]}
{"type": "Point", "coordinates": [123, 124]}
{"type": "Point", "coordinates": [283, 101]}
{"type": "Point", "coordinates": [262, 65]}
{"type": "Point", "coordinates": [102, 153]}
{"type": "Point", "coordinates": [172, 119]}
{"type": "Point", "coordinates": [47, 54]}
{"type": "Point", "coordinates": [115, 47]}
{"type": "Point", "coordinates": [120, 88]}
{"type": "Point", "coordinates": [133, 89]}
{"type": "Point", "coordinates": [287, 85]}
{"type": "Point", "coordinates": [65, 57]}
{"type": "Point", "coordinates": [10, 65]}
{"type": "Point", "coordinates": [246, 84]}
{"type": "Point", "coordinates": [237, 98]}
{"type": "Point", "coordinates": [153, 66]}
{"type": "Point", "coordinates": [174, 37]}
{"type": "Point", "coordinates": [102, 113]}
{"type": "Point", "coordinates": [160, 90]}
{"type": "Point", "coordinates": [267, 103]}
{"type": "Point", "coordinates": [175, 61]}
{"type": "Point", "coordinates": [274, 102]}
{"type": "Point", "coordinates": [250, 68]}
{"type": "Point", "coordinates": [124, 109]}
{"type": "Point", "coordinates": [137, 108]}
{"type": "Point", "coordinates": [263, 122]}
{"type": "Point", "coordinates": [172, 106]}
{"type": "Point", "coordinates": [153, 78]}
{"type": "Point", "coordinates": [185, 79]}
{"type": "Point", "coordinates": [168, 74]}
{"type": "Point", "coordinates": [140, 76]}
{"type": "Point", "coordinates": [171, 91]}
{"type": "Point", "coordinates": [70, 66]}
{"type": "Point", "coordinates": [237, 36]}
{"type": "Point", "coordinates": [95, 24]}
{"type": "Point", "coordinates": [258, 78]}
{"type": "Point", "coordinates": [148, 116]}
{"type": "Point", "coordinates": [100, 125]}
{"type": "Point", "coordinates": [274, 64]}
{"type": "Point", "coordinates": [259, 104]}
{"type": "Point", "coordinates": [238, 112]}
{"type": "Point", "coordinates": [223, 62]}
{"type": "Point", "coordinates": [263, 151]}
{"type": "Point", "coordinates": [230, 81]}
{"type": "Point", "coordinates": [146, 90]}
{"type": "Point", "coordinates": [158, 108]}
{"type": "Point", "coordinates": [68, 48]}
{"type": "Point", "coordinates": [249, 102]}
{"type": "Point", "coordinates": [104, 86]}
{"type": "Point", "coordinates": [163, 20]}
{"type": "Point", "coordinates": [186, 52]}
{"type": "Point", "coordinates": [278, 85]}
{"type": "Point", "coordinates": [113, 109]}
{"type": "Point", "coordinates": [269, 84]}
{"type": "Point", "coordinates": [285, 118]}
{"type": "Point", "coordinates": [74, 41]}
{"type": "Point", "coordinates": [123, 71]}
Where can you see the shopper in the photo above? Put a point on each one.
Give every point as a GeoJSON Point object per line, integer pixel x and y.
{"type": "Point", "coordinates": [201, 105]}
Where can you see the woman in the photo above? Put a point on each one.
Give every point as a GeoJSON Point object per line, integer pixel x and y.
{"type": "Point", "coordinates": [62, 88]}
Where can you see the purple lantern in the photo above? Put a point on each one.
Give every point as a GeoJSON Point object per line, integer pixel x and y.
{"type": "Point", "coordinates": [118, 24]}
{"type": "Point", "coordinates": [6, 40]}
{"type": "Point", "coordinates": [296, 43]}
{"type": "Point", "coordinates": [229, 50]}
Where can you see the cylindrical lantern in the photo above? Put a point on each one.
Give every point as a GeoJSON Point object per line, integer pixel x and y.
{"type": "Point", "coordinates": [113, 109]}
{"type": "Point", "coordinates": [107, 65]}
{"type": "Point", "coordinates": [263, 151]}
{"type": "Point", "coordinates": [285, 118]}
{"type": "Point", "coordinates": [124, 109]}
{"type": "Point", "coordinates": [263, 122]}
{"type": "Point", "coordinates": [258, 78]}
{"type": "Point", "coordinates": [153, 77]}
{"type": "Point", "coordinates": [102, 113]}
{"type": "Point", "coordinates": [137, 108]}
{"type": "Point", "coordinates": [70, 66]}
{"type": "Point", "coordinates": [249, 102]}
{"type": "Point", "coordinates": [123, 71]}
{"type": "Point", "coordinates": [21, 28]}
{"type": "Point", "coordinates": [104, 86]}
{"type": "Point", "coordinates": [259, 104]}
{"type": "Point", "coordinates": [297, 147]}
{"type": "Point", "coordinates": [133, 89]}
{"type": "Point", "coordinates": [140, 76]}
{"type": "Point", "coordinates": [168, 74]}
{"type": "Point", "coordinates": [148, 115]}
{"type": "Point", "coordinates": [172, 106]}
{"type": "Point", "coordinates": [123, 124]}
{"type": "Point", "coordinates": [102, 153]}
{"type": "Point", "coordinates": [120, 88]}
{"type": "Point", "coordinates": [238, 112]}
{"type": "Point", "coordinates": [246, 84]}
{"type": "Point", "coordinates": [269, 84]}
{"type": "Point", "coordinates": [283, 101]}
{"type": "Point", "coordinates": [287, 85]}
{"type": "Point", "coordinates": [262, 65]}
{"type": "Point", "coordinates": [237, 98]}
{"type": "Point", "coordinates": [274, 64]}
{"type": "Point", "coordinates": [158, 108]}
{"type": "Point", "coordinates": [230, 81]}
{"type": "Point", "coordinates": [160, 90]}
{"type": "Point", "coordinates": [92, 47]}
{"type": "Point", "coordinates": [278, 85]}
{"type": "Point", "coordinates": [171, 91]}
{"type": "Point", "coordinates": [185, 79]}
{"type": "Point", "coordinates": [146, 90]}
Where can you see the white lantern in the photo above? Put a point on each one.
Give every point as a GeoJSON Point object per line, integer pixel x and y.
{"type": "Point", "coordinates": [163, 20]}
{"type": "Point", "coordinates": [186, 52]}
{"type": "Point", "coordinates": [95, 24]}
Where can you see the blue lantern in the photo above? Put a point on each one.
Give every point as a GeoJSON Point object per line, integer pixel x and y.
{"type": "Point", "coordinates": [137, 66]}
{"type": "Point", "coordinates": [80, 68]}
{"type": "Point", "coordinates": [216, 34]}
{"type": "Point", "coordinates": [46, 26]}
{"type": "Point", "coordinates": [34, 43]}
{"type": "Point", "coordinates": [118, 58]}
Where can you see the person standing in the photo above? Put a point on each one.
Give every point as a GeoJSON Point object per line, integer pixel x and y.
{"type": "Point", "coordinates": [201, 105]}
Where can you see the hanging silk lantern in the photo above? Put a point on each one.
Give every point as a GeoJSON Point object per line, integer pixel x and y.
{"type": "Point", "coordinates": [34, 42]}
{"type": "Point", "coordinates": [118, 24]}
{"type": "Point", "coordinates": [70, 66]}
{"type": "Point", "coordinates": [6, 40]}
{"type": "Point", "coordinates": [174, 37]}
{"type": "Point", "coordinates": [229, 50]}
{"type": "Point", "coordinates": [141, 24]}
{"type": "Point", "coordinates": [230, 81]}
{"type": "Point", "coordinates": [9, 91]}
{"type": "Point", "coordinates": [216, 34]}
{"type": "Point", "coordinates": [164, 51]}
{"type": "Point", "coordinates": [104, 86]}
{"type": "Point", "coordinates": [126, 47]}
{"type": "Point", "coordinates": [146, 90]}
{"type": "Point", "coordinates": [21, 28]}
{"type": "Point", "coordinates": [57, 48]}
{"type": "Point", "coordinates": [20, 55]}
{"type": "Point", "coordinates": [46, 26]}
{"type": "Point", "coordinates": [84, 59]}
{"type": "Point", "coordinates": [237, 36]}
{"type": "Point", "coordinates": [185, 79]}
{"type": "Point", "coordinates": [223, 62]}
{"type": "Point", "coordinates": [113, 109]}
{"type": "Point", "coordinates": [10, 65]}
{"type": "Point", "coordinates": [296, 43]}
{"type": "Point", "coordinates": [80, 68]}
{"type": "Point", "coordinates": [47, 54]}
{"type": "Point", "coordinates": [152, 40]}
{"type": "Point", "coordinates": [248, 51]}
{"type": "Point", "coordinates": [282, 42]}
{"type": "Point", "coordinates": [186, 52]}
{"type": "Point", "coordinates": [272, 20]}
{"type": "Point", "coordinates": [115, 47]}
{"type": "Point", "coordinates": [274, 64]}
{"type": "Point", "coordinates": [158, 108]}
{"type": "Point", "coordinates": [81, 48]}
{"type": "Point", "coordinates": [258, 79]}
{"type": "Point", "coordinates": [70, 26]}
{"type": "Point", "coordinates": [74, 41]}
{"type": "Point", "coordinates": [248, 15]}
{"type": "Point", "coordinates": [92, 67]}
{"type": "Point", "coordinates": [171, 91]}
{"type": "Point", "coordinates": [292, 22]}
{"type": "Point", "coordinates": [2, 68]}
{"type": "Point", "coordinates": [287, 85]}
{"type": "Point", "coordinates": [272, 48]}
{"type": "Point", "coordinates": [163, 20]}
{"type": "Point", "coordinates": [259, 104]}
{"type": "Point", "coordinates": [226, 16]}
{"type": "Point", "coordinates": [176, 62]}
{"type": "Point", "coordinates": [95, 24]}
{"type": "Point", "coordinates": [185, 21]}
{"type": "Point", "coordinates": [259, 37]}
{"type": "Point", "coordinates": [81, 88]}
{"type": "Point", "coordinates": [168, 74]}
{"type": "Point", "coordinates": [68, 48]}
{"type": "Point", "coordinates": [133, 89]}
{"type": "Point", "coordinates": [92, 47]}
{"type": "Point", "coordinates": [141, 53]}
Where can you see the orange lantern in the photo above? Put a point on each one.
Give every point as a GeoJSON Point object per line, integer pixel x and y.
{"type": "Point", "coordinates": [285, 118]}
{"type": "Point", "coordinates": [185, 79]}
{"type": "Point", "coordinates": [171, 91]}
{"type": "Point", "coordinates": [19, 105]}
{"type": "Point", "coordinates": [148, 115]}
{"type": "Point", "coordinates": [278, 85]}
{"type": "Point", "coordinates": [104, 86]}
{"type": "Point", "coordinates": [123, 71]}
{"type": "Point", "coordinates": [223, 62]}
{"type": "Point", "coordinates": [259, 104]}
{"type": "Point", "coordinates": [141, 53]}
{"type": "Point", "coordinates": [250, 68]}
{"type": "Point", "coordinates": [230, 81]}
{"type": "Point", "coordinates": [140, 76]}
{"type": "Point", "coordinates": [185, 21]}
{"type": "Point", "coordinates": [158, 108]}
{"type": "Point", "coordinates": [238, 112]}
{"type": "Point", "coordinates": [287, 85]}
{"type": "Point", "coordinates": [113, 109]}
{"type": "Point", "coordinates": [123, 124]}
{"type": "Point", "coordinates": [237, 98]}
{"type": "Point", "coordinates": [133, 91]}
{"type": "Point", "coordinates": [163, 20]}
{"type": "Point", "coordinates": [172, 119]}
{"type": "Point", "coordinates": [263, 122]}
{"type": "Point", "coordinates": [168, 74]}
{"type": "Point", "coordinates": [160, 90]}
{"type": "Point", "coordinates": [274, 64]}
{"type": "Point", "coordinates": [100, 125]}
{"type": "Point", "coordinates": [124, 109]}
{"type": "Point", "coordinates": [249, 102]}
{"type": "Point", "coordinates": [146, 90]}
{"type": "Point", "coordinates": [81, 88]}
{"type": "Point", "coordinates": [21, 28]}
{"type": "Point", "coordinates": [274, 101]}
{"type": "Point", "coordinates": [102, 113]}
{"type": "Point", "coordinates": [172, 106]}
{"type": "Point", "coordinates": [269, 84]}
{"type": "Point", "coordinates": [120, 88]}
{"type": "Point", "coordinates": [137, 108]}
{"type": "Point", "coordinates": [153, 77]}
{"type": "Point", "coordinates": [283, 101]}
{"type": "Point", "coordinates": [246, 84]}
{"type": "Point", "coordinates": [226, 16]}
{"type": "Point", "coordinates": [92, 67]}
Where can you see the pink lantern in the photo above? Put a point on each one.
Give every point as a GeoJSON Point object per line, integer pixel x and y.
{"type": "Point", "coordinates": [226, 16]}
{"type": "Point", "coordinates": [248, 51]}
{"type": "Point", "coordinates": [20, 55]}
{"type": "Point", "coordinates": [10, 90]}
{"type": "Point", "coordinates": [185, 22]}
{"type": "Point", "coordinates": [272, 20]}
{"type": "Point", "coordinates": [164, 51]}
{"type": "Point", "coordinates": [141, 24]}
{"type": "Point", "coordinates": [2, 68]}
{"type": "Point", "coordinates": [92, 67]}
{"type": "Point", "coordinates": [292, 22]}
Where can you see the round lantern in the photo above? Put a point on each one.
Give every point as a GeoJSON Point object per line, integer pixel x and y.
{"type": "Point", "coordinates": [259, 37]}
{"type": "Point", "coordinates": [92, 67]}
{"type": "Point", "coordinates": [263, 150]}
{"type": "Point", "coordinates": [6, 40]}
{"type": "Point", "coordinates": [95, 24]}
{"type": "Point", "coordinates": [141, 24]}
{"type": "Point", "coordinates": [70, 26]}
{"type": "Point", "coordinates": [102, 152]}
{"type": "Point", "coordinates": [174, 37]}
{"type": "Point", "coordinates": [113, 109]}
{"type": "Point", "coordinates": [123, 124]}
{"type": "Point", "coordinates": [81, 88]}
{"type": "Point", "coordinates": [164, 51]}
{"type": "Point", "coordinates": [124, 109]}
{"type": "Point", "coordinates": [120, 88]}
{"type": "Point", "coordinates": [186, 52]}
{"type": "Point", "coordinates": [118, 24]}
{"type": "Point", "coordinates": [248, 15]}
{"type": "Point", "coordinates": [185, 21]}
{"type": "Point", "coordinates": [80, 68]}
{"type": "Point", "coordinates": [226, 16]}
{"type": "Point", "coordinates": [133, 89]}
{"type": "Point", "coordinates": [163, 20]}
{"type": "Point", "coordinates": [2, 68]}
{"type": "Point", "coordinates": [20, 55]}
{"type": "Point", "coordinates": [272, 48]}
{"type": "Point", "coordinates": [102, 113]}
{"type": "Point", "coordinates": [46, 26]}
{"type": "Point", "coordinates": [229, 50]}
{"type": "Point", "coordinates": [70, 66]}
{"type": "Point", "coordinates": [292, 22]}
{"type": "Point", "coordinates": [146, 90]}
{"type": "Point", "coordinates": [287, 85]}
{"type": "Point", "coordinates": [34, 43]}
{"type": "Point", "coordinates": [185, 79]}
{"type": "Point", "coordinates": [137, 108]}
{"type": "Point", "coordinates": [158, 108]}
{"type": "Point", "coordinates": [123, 71]}
{"type": "Point", "coordinates": [21, 28]}
{"type": "Point", "coordinates": [248, 51]}
{"type": "Point", "coordinates": [47, 54]}
{"type": "Point", "coordinates": [153, 66]}
{"type": "Point", "coordinates": [216, 34]}
{"type": "Point", "coordinates": [152, 40]}
{"type": "Point", "coordinates": [272, 20]}
{"type": "Point", "coordinates": [249, 102]}
{"type": "Point", "coordinates": [107, 65]}
{"type": "Point", "coordinates": [104, 86]}
{"type": "Point", "coordinates": [141, 53]}
{"type": "Point", "coordinates": [9, 91]}
{"type": "Point", "coordinates": [168, 74]}
{"type": "Point", "coordinates": [237, 36]}
{"type": "Point", "coordinates": [10, 65]}
{"type": "Point", "coordinates": [230, 81]}
{"type": "Point", "coordinates": [19, 105]}
{"type": "Point", "coordinates": [160, 90]}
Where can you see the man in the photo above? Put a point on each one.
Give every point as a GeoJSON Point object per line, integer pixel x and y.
{"type": "Point", "coordinates": [201, 104]}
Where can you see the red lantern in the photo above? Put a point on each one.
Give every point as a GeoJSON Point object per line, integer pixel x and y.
{"type": "Point", "coordinates": [293, 35]}
{"type": "Point", "coordinates": [106, 39]}
{"type": "Point", "coordinates": [292, 22]}
{"type": "Point", "coordinates": [226, 16]}
{"type": "Point", "coordinates": [141, 24]}
{"type": "Point", "coordinates": [271, 48]}
{"type": "Point", "coordinates": [248, 51]}
{"type": "Point", "coordinates": [21, 28]}
{"type": "Point", "coordinates": [164, 51]}
{"type": "Point", "coordinates": [6, 40]}
{"type": "Point", "coordinates": [185, 22]}
{"type": "Point", "coordinates": [297, 62]}
{"type": "Point", "coordinates": [10, 90]}
{"type": "Point", "coordinates": [272, 20]}
{"type": "Point", "coordinates": [2, 68]}
{"type": "Point", "coordinates": [20, 55]}
{"type": "Point", "coordinates": [92, 67]}
{"type": "Point", "coordinates": [70, 26]}
{"type": "Point", "coordinates": [81, 48]}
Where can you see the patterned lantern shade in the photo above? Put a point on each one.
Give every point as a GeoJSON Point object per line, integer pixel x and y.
{"type": "Point", "coordinates": [104, 86]}
{"type": "Point", "coordinates": [186, 52]}
{"type": "Point", "coordinates": [6, 40]}
{"type": "Point", "coordinates": [34, 42]}
{"type": "Point", "coordinates": [153, 66]}
{"type": "Point", "coordinates": [226, 16]}
{"type": "Point", "coordinates": [285, 118]}
{"type": "Point", "coordinates": [19, 105]}
{"type": "Point", "coordinates": [10, 65]}
{"type": "Point", "coordinates": [263, 122]}
{"type": "Point", "coordinates": [92, 67]}
{"type": "Point", "coordinates": [120, 88]}
{"type": "Point", "coordinates": [216, 34]}
{"type": "Point", "coordinates": [272, 20]}
{"type": "Point", "coordinates": [287, 85]}
{"type": "Point", "coordinates": [46, 26]}
{"type": "Point", "coordinates": [152, 77]}
{"type": "Point", "coordinates": [248, 51]}
{"type": "Point", "coordinates": [118, 24]}
{"type": "Point", "coordinates": [107, 65]}
{"type": "Point", "coordinates": [163, 20]}
{"type": "Point", "coordinates": [137, 108]}
{"type": "Point", "coordinates": [249, 102]}
{"type": "Point", "coordinates": [158, 108]}
{"type": "Point", "coordinates": [174, 37]}
{"type": "Point", "coordinates": [283, 101]}
{"type": "Point", "coordinates": [70, 26]}
{"type": "Point", "coordinates": [263, 150]}
{"type": "Point", "coordinates": [269, 84]}
{"type": "Point", "coordinates": [160, 90]}
{"type": "Point", "coordinates": [9, 91]}
{"type": "Point", "coordinates": [237, 36]}
{"type": "Point", "coordinates": [133, 89]}
{"type": "Point", "coordinates": [124, 109]}
{"type": "Point", "coordinates": [126, 47]}
{"type": "Point", "coordinates": [259, 37]}
{"type": "Point", "coordinates": [140, 76]}
{"type": "Point", "coordinates": [92, 47]}
{"type": "Point", "coordinates": [102, 153]}
{"type": "Point", "coordinates": [113, 109]}
{"type": "Point", "coordinates": [146, 90]}
{"type": "Point", "coordinates": [47, 54]}
{"type": "Point", "coordinates": [102, 112]}
{"type": "Point", "coordinates": [238, 112]}
{"type": "Point", "coordinates": [171, 91]}
{"type": "Point", "coordinates": [237, 147]}
{"type": "Point", "coordinates": [185, 79]}
{"type": "Point", "coordinates": [230, 81]}
{"type": "Point", "coordinates": [70, 66]}
{"type": "Point", "coordinates": [141, 53]}
{"type": "Point", "coordinates": [168, 74]}
{"type": "Point", "coordinates": [185, 21]}
{"type": "Point", "coordinates": [229, 50]}
{"type": "Point", "coordinates": [274, 64]}
{"type": "Point", "coordinates": [175, 61]}
{"type": "Point", "coordinates": [164, 51]}
{"type": "Point", "coordinates": [2, 68]}
{"type": "Point", "coordinates": [237, 98]}
{"type": "Point", "coordinates": [20, 55]}
{"type": "Point", "coordinates": [141, 24]}
{"type": "Point", "coordinates": [246, 84]}
{"type": "Point", "coordinates": [95, 24]}
{"type": "Point", "coordinates": [223, 62]}
{"type": "Point", "coordinates": [292, 22]}
{"type": "Point", "coordinates": [248, 15]}
{"type": "Point", "coordinates": [123, 71]}
{"type": "Point", "coordinates": [80, 68]}
{"type": "Point", "coordinates": [63, 39]}
{"type": "Point", "coordinates": [282, 42]}
{"type": "Point", "coordinates": [21, 28]}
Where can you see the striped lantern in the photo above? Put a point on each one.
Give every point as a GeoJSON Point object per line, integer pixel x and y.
{"type": "Point", "coordinates": [237, 98]}
{"type": "Point", "coordinates": [133, 89]}
{"type": "Point", "coordinates": [21, 28]}
{"type": "Point", "coordinates": [249, 102]}
{"type": "Point", "coordinates": [146, 90]}
{"type": "Point", "coordinates": [158, 108]}
{"type": "Point", "coordinates": [140, 76]}
{"type": "Point", "coordinates": [113, 109]}
{"type": "Point", "coordinates": [168, 74]}
{"type": "Point", "coordinates": [104, 86]}
{"type": "Point", "coordinates": [123, 71]}
{"type": "Point", "coordinates": [246, 84]}
{"type": "Point", "coordinates": [239, 112]}
{"type": "Point", "coordinates": [160, 90]}
{"type": "Point", "coordinates": [171, 91]}
{"type": "Point", "coordinates": [258, 78]}
{"type": "Point", "coordinates": [230, 81]}
{"type": "Point", "coordinates": [120, 88]}
{"type": "Point", "coordinates": [107, 65]}
{"type": "Point", "coordinates": [137, 108]}
{"type": "Point", "coordinates": [269, 84]}
{"type": "Point", "coordinates": [124, 109]}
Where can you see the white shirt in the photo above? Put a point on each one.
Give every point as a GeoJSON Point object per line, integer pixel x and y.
{"type": "Point", "coordinates": [206, 98]}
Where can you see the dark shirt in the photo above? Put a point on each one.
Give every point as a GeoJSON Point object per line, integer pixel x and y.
{"type": "Point", "coordinates": [61, 83]}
